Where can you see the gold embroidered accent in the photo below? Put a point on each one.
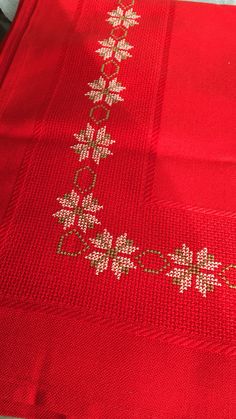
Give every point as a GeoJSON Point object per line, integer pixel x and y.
{"type": "Point", "coordinates": [91, 184]}
{"type": "Point", "coordinates": [126, 3]}
{"type": "Point", "coordinates": [110, 91]}
{"type": "Point", "coordinates": [110, 69]}
{"type": "Point", "coordinates": [120, 264]}
{"type": "Point", "coordinates": [205, 281]}
{"type": "Point", "coordinates": [120, 17]}
{"type": "Point", "coordinates": [118, 49]}
{"type": "Point", "coordinates": [65, 240]}
{"type": "Point", "coordinates": [87, 142]}
{"type": "Point", "coordinates": [224, 277]}
{"type": "Point", "coordinates": [152, 270]}
{"type": "Point", "coordinates": [119, 33]}
{"type": "Point", "coordinates": [99, 114]}
{"type": "Point", "coordinates": [114, 49]}
{"type": "Point", "coordinates": [70, 211]}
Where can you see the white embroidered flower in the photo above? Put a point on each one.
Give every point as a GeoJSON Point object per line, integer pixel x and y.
{"type": "Point", "coordinates": [98, 146]}
{"type": "Point", "coordinates": [120, 264]}
{"type": "Point", "coordinates": [111, 47]}
{"type": "Point", "coordinates": [201, 268]}
{"type": "Point", "coordinates": [120, 17]}
{"type": "Point", "coordinates": [71, 211]}
{"type": "Point", "coordinates": [100, 89]}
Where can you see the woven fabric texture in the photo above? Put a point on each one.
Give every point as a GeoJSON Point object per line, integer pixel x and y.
{"type": "Point", "coordinates": [118, 245]}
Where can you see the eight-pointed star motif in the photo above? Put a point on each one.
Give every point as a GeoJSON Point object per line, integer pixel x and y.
{"type": "Point", "coordinates": [71, 211]}
{"type": "Point", "coordinates": [201, 267]}
{"type": "Point", "coordinates": [87, 142]}
{"type": "Point", "coordinates": [120, 17]}
{"type": "Point", "coordinates": [117, 254]}
{"type": "Point", "coordinates": [111, 47]}
{"type": "Point", "coordinates": [100, 88]}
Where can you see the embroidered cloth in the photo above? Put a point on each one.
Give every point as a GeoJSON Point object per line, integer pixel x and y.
{"type": "Point", "coordinates": [118, 244]}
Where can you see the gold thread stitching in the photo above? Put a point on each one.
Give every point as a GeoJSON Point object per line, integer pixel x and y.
{"type": "Point", "coordinates": [122, 20]}
{"type": "Point", "coordinates": [60, 251]}
{"type": "Point", "coordinates": [150, 270]}
{"type": "Point", "coordinates": [120, 263]}
{"type": "Point", "coordinates": [202, 268]}
{"type": "Point", "coordinates": [105, 117]}
{"type": "Point", "coordinates": [122, 3]}
{"type": "Point", "coordinates": [117, 48]}
{"type": "Point", "coordinates": [100, 90]}
{"type": "Point", "coordinates": [104, 69]}
{"type": "Point", "coordinates": [121, 30]}
{"type": "Point", "coordinates": [71, 211]}
{"type": "Point", "coordinates": [125, 18]}
{"type": "Point", "coordinates": [224, 277]}
{"type": "Point", "coordinates": [87, 143]}
{"type": "Point", "coordinates": [92, 184]}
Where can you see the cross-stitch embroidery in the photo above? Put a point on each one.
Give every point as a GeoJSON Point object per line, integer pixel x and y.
{"type": "Point", "coordinates": [200, 270]}
{"type": "Point", "coordinates": [117, 252]}
{"type": "Point", "coordinates": [98, 145]}
{"type": "Point", "coordinates": [71, 210]}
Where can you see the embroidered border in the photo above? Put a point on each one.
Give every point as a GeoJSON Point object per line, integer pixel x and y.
{"type": "Point", "coordinates": [95, 143]}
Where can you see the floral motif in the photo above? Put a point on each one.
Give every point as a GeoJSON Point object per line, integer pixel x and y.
{"type": "Point", "coordinates": [119, 49]}
{"type": "Point", "coordinates": [119, 264]}
{"type": "Point", "coordinates": [202, 269]}
{"type": "Point", "coordinates": [100, 89]}
{"type": "Point", "coordinates": [109, 252]}
{"type": "Point", "coordinates": [71, 210]}
{"type": "Point", "coordinates": [87, 142]}
{"type": "Point", "coordinates": [120, 17]}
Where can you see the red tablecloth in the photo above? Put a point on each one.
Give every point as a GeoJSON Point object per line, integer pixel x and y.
{"type": "Point", "coordinates": [118, 244]}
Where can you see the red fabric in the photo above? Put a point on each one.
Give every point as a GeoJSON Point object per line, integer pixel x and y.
{"type": "Point", "coordinates": [129, 313]}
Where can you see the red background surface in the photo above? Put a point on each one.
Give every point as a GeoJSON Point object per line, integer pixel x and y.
{"type": "Point", "coordinates": [169, 182]}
